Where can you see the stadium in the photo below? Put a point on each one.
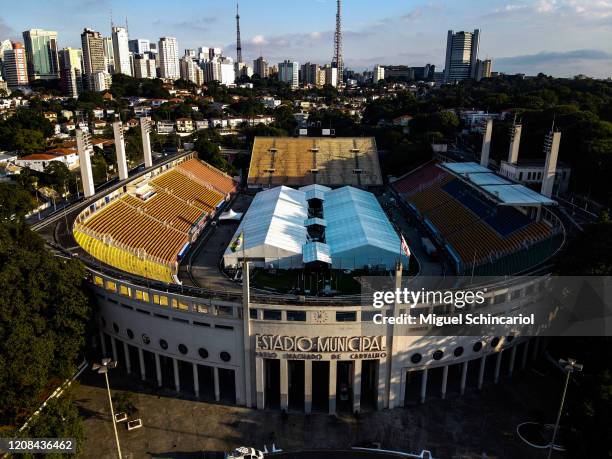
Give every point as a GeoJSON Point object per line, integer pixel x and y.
{"type": "Point", "coordinates": [166, 249]}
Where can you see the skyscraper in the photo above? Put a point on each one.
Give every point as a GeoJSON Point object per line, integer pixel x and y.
{"type": "Point", "coordinates": [483, 69]}
{"type": "Point", "coordinates": [15, 66]}
{"type": "Point", "coordinates": [109, 54]}
{"type": "Point", "coordinates": [41, 52]}
{"type": "Point", "coordinates": [191, 71]}
{"type": "Point", "coordinates": [94, 62]}
{"type": "Point", "coordinates": [169, 58]}
{"type": "Point", "coordinates": [139, 46]}
{"type": "Point", "coordinates": [71, 71]}
{"type": "Point", "coordinates": [461, 55]}
{"type": "Point", "coordinates": [288, 72]}
{"type": "Point", "coordinates": [260, 67]}
{"type": "Point", "coordinates": [309, 73]}
{"type": "Point", "coordinates": [121, 51]}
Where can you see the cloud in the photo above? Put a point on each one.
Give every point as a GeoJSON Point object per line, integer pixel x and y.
{"type": "Point", "coordinates": [586, 10]}
{"type": "Point", "coordinates": [258, 40]}
{"type": "Point", "coordinates": [565, 63]}
{"type": "Point", "coordinates": [6, 31]}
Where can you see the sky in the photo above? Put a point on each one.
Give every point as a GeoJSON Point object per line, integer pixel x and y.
{"type": "Point", "coordinates": [557, 37]}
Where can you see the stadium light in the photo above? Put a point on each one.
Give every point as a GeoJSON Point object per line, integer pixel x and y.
{"type": "Point", "coordinates": [103, 368]}
{"type": "Point", "coordinates": [569, 366]}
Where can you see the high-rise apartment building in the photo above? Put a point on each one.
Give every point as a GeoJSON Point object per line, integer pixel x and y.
{"type": "Point", "coordinates": [15, 66]}
{"type": "Point", "coordinates": [109, 54]}
{"type": "Point", "coordinates": [191, 71]}
{"type": "Point", "coordinates": [288, 72]}
{"type": "Point", "coordinates": [378, 73]}
{"type": "Point", "coordinates": [169, 58]}
{"type": "Point", "coordinates": [331, 75]}
{"type": "Point", "coordinates": [260, 67]}
{"type": "Point", "coordinates": [139, 46]}
{"type": "Point", "coordinates": [309, 73]}
{"type": "Point", "coordinates": [121, 51]}
{"type": "Point", "coordinates": [461, 55]}
{"type": "Point", "coordinates": [41, 53]}
{"type": "Point", "coordinates": [71, 71]}
{"type": "Point", "coordinates": [220, 69]}
{"type": "Point", "coordinates": [144, 66]}
{"type": "Point", "coordinates": [483, 69]}
{"type": "Point", "coordinates": [94, 60]}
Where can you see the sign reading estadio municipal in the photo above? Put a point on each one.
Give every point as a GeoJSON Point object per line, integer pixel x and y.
{"type": "Point", "coordinates": [320, 344]}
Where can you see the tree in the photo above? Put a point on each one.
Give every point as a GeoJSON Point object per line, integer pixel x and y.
{"type": "Point", "coordinates": [57, 175]}
{"type": "Point", "coordinates": [589, 253]}
{"type": "Point", "coordinates": [15, 201]}
{"type": "Point", "coordinates": [209, 152]}
{"type": "Point", "coordinates": [44, 313]}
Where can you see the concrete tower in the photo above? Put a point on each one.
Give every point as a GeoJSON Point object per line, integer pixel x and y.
{"type": "Point", "coordinates": [515, 141]}
{"type": "Point", "coordinates": [145, 129]}
{"type": "Point", "coordinates": [85, 149]}
{"type": "Point", "coordinates": [120, 150]}
{"type": "Point", "coordinates": [486, 144]}
{"type": "Point", "coordinates": [551, 148]}
{"type": "Point", "coordinates": [238, 45]}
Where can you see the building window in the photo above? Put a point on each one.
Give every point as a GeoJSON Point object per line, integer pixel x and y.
{"type": "Point", "coordinates": [494, 342]}
{"type": "Point", "coordinates": [416, 358]}
{"type": "Point", "coordinates": [115, 327]}
{"type": "Point", "coordinates": [225, 356]}
{"type": "Point", "coordinates": [130, 333]}
{"type": "Point", "coordinates": [350, 316]}
{"type": "Point", "coordinates": [225, 311]}
{"type": "Point", "coordinates": [458, 352]}
{"type": "Point", "coordinates": [253, 313]}
{"type": "Point", "coordinates": [125, 291]}
{"type": "Point", "coordinates": [146, 339]}
{"type": "Point", "coordinates": [110, 285]}
{"type": "Point", "coordinates": [296, 316]}
{"type": "Point", "coordinates": [182, 349]}
{"type": "Point", "coordinates": [272, 314]}
{"type": "Point", "coordinates": [163, 344]}
{"type": "Point", "coordinates": [438, 355]}
{"type": "Point", "coordinates": [477, 346]}
{"type": "Point", "coordinates": [203, 353]}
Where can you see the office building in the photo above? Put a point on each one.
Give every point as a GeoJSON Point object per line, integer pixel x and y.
{"type": "Point", "coordinates": [41, 53]}
{"type": "Point", "coordinates": [288, 72]}
{"type": "Point", "coordinates": [461, 55]}
{"type": "Point", "coordinates": [15, 66]}
{"type": "Point", "coordinates": [121, 51]}
{"type": "Point", "coordinates": [260, 67]}
{"type": "Point", "coordinates": [71, 72]}
{"type": "Point", "coordinates": [378, 73]}
{"type": "Point", "coordinates": [243, 69]}
{"type": "Point", "coordinates": [139, 46]}
{"type": "Point", "coordinates": [168, 58]}
{"type": "Point", "coordinates": [109, 54]}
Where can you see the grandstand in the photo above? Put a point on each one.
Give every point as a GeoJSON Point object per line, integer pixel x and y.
{"type": "Point", "coordinates": [147, 227]}
{"type": "Point", "coordinates": [327, 161]}
{"type": "Point", "coordinates": [479, 230]}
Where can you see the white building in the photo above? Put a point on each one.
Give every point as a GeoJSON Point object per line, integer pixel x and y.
{"type": "Point", "coordinates": [378, 73]}
{"type": "Point", "coordinates": [288, 72]}
{"type": "Point", "coordinates": [39, 161]}
{"type": "Point", "coordinates": [144, 66]}
{"type": "Point", "coordinates": [121, 51]}
{"type": "Point", "coordinates": [220, 69]}
{"type": "Point", "coordinates": [139, 46]}
{"type": "Point", "coordinates": [100, 81]}
{"type": "Point", "coordinates": [191, 71]}
{"type": "Point", "coordinates": [169, 58]}
{"type": "Point", "coordinates": [331, 75]}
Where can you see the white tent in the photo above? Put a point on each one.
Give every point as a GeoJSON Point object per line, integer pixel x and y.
{"type": "Point", "coordinates": [230, 215]}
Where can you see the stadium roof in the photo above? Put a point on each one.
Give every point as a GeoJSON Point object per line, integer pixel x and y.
{"type": "Point", "coordinates": [498, 188]}
{"type": "Point", "coordinates": [357, 231]}
{"type": "Point", "coordinates": [302, 161]}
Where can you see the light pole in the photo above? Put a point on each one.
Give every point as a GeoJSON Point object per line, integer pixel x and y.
{"type": "Point", "coordinates": [103, 368]}
{"type": "Point", "coordinates": [569, 366]}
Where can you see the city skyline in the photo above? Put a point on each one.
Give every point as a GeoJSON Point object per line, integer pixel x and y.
{"type": "Point", "coordinates": [410, 33]}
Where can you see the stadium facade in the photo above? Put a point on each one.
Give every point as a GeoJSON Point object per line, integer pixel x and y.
{"type": "Point", "coordinates": [265, 350]}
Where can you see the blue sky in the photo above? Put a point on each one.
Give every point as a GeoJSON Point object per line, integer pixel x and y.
{"type": "Point", "coordinates": [558, 37]}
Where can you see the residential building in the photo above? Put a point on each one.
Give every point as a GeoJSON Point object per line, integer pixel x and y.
{"type": "Point", "coordinates": [483, 69]}
{"type": "Point", "coordinates": [461, 55]}
{"type": "Point", "coordinates": [260, 67]}
{"type": "Point", "coordinates": [15, 66]}
{"type": "Point", "coordinates": [100, 81]}
{"type": "Point", "coordinates": [144, 66]}
{"type": "Point", "coordinates": [243, 69]}
{"type": "Point", "coordinates": [71, 72]}
{"type": "Point", "coordinates": [121, 51]}
{"type": "Point", "coordinates": [331, 75]}
{"type": "Point", "coordinates": [139, 46]}
{"type": "Point", "coordinates": [220, 69]}
{"type": "Point", "coordinates": [169, 58]}
{"type": "Point", "coordinates": [191, 71]}
{"type": "Point", "coordinates": [288, 72]}
{"type": "Point", "coordinates": [309, 73]}
{"type": "Point", "coordinates": [378, 73]}
{"type": "Point", "coordinates": [41, 53]}
{"type": "Point", "coordinates": [184, 125]}
{"type": "Point", "coordinates": [94, 60]}
{"type": "Point", "coordinates": [109, 54]}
